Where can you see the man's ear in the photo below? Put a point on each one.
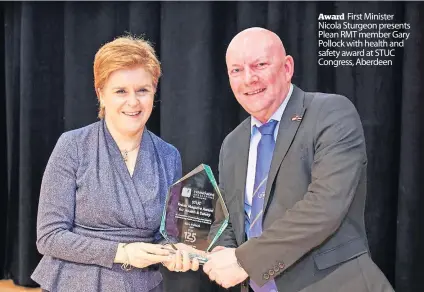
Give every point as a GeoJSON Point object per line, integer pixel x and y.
{"type": "Point", "coordinates": [289, 67]}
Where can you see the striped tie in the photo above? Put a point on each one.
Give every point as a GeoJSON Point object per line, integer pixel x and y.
{"type": "Point", "coordinates": [263, 162]}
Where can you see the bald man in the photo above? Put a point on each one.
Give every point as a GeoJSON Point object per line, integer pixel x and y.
{"type": "Point", "coordinates": [293, 176]}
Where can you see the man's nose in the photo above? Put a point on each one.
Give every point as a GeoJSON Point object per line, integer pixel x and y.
{"type": "Point", "coordinates": [250, 76]}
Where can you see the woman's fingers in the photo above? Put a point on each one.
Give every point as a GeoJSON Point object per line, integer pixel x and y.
{"type": "Point", "coordinates": [186, 263]}
{"type": "Point", "coordinates": [156, 249]}
{"type": "Point", "coordinates": [178, 261]}
{"type": "Point", "coordinates": [182, 246]}
{"type": "Point", "coordinates": [156, 258]}
{"type": "Point", "coordinates": [195, 264]}
{"type": "Point", "coordinates": [170, 265]}
{"type": "Point", "coordinates": [181, 262]}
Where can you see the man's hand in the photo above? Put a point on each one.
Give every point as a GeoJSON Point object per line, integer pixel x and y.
{"type": "Point", "coordinates": [218, 248]}
{"type": "Point", "coordinates": [222, 267]}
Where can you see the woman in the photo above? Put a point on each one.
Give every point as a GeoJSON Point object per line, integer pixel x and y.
{"type": "Point", "coordinates": [104, 186]}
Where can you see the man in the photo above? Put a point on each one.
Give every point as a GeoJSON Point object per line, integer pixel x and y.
{"type": "Point", "coordinates": [293, 176]}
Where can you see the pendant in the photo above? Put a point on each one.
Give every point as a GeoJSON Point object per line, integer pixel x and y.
{"type": "Point", "coordinates": [125, 155]}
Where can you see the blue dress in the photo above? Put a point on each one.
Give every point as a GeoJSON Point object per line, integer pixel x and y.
{"type": "Point", "coordinates": [89, 203]}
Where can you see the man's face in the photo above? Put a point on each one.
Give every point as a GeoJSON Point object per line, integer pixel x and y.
{"type": "Point", "coordinates": [258, 76]}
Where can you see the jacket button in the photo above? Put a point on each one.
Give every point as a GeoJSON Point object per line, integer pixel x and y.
{"type": "Point", "coordinates": [271, 272]}
{"type": "Point", "coordinates": [276, 268]}
{"type": "Point", "coordinates": [266, 276]}
{"type": "Point", "coordinates": [281, 265]}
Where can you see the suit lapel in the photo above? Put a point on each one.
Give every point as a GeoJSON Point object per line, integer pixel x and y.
{"type": "Point", "coordinates": [240, 174]}
{"type": "Point", "coordinates": [286, 133]}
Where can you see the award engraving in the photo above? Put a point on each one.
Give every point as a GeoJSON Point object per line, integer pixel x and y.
{"type": "Point", "coordinates": [191, 209]}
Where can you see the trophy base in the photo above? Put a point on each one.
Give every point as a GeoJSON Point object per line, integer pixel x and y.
{"type": "Point", "coordinates": [202, 260]}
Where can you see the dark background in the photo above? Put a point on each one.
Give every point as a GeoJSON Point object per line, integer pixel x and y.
{"type": "Point", "coordinates": [47, 86]}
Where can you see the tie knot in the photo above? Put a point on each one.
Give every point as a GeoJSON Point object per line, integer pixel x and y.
{"type": "Point", "coordinates": [268, 128]}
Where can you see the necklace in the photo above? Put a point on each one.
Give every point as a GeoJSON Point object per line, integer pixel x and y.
{"type": "Point", "coordinates": [125, 152]}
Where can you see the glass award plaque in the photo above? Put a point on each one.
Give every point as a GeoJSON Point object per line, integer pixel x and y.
{"type": "Point", "coordinates": [195, 213]}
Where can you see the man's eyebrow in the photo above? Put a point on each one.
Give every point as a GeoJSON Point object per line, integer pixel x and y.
{"type": "Point", "coordinates": [260, 59]}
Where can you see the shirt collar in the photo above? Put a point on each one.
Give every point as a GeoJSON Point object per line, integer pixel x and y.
{"type": "Point", "coordinates": [277, 115]}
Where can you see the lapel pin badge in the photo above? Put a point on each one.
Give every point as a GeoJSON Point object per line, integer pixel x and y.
{"type": "Point", "coordinates": [296, 118]}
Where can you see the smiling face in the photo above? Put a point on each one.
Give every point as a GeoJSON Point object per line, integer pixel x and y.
{"type": "Point", "coordinates": [259, 72]}
{"type": "Point", "coordinates": [127, 97]}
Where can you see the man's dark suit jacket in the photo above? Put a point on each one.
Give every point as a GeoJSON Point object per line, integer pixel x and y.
{"type": "Point", "coordinates": [313, 221]}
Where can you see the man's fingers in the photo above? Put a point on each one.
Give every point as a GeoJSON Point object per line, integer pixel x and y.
{"type": "Point", "coordinates": [207, 267]}
{"type": "Point", "coordinates": [212, 276]}
{"type": "Point", "coordinates": [218, 248]}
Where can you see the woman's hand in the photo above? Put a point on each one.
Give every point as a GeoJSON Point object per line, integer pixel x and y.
{"type": "Point", "coordinates": [141, 254]}
{"type": "Point", "coordinates": [181, 261]}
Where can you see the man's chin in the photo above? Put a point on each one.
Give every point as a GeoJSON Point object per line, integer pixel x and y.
{"type": "Point", "coordinates": [258, 112]}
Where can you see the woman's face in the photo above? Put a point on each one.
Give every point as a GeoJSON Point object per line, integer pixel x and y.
{"type": "Point", "coordinates": [128, 100]}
